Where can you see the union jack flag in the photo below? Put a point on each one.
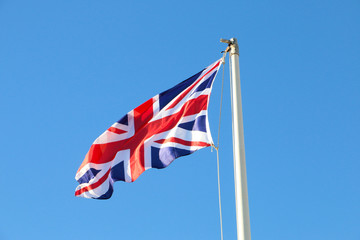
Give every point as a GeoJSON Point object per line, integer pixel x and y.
{"type": "Point", "coordinates": [170, 125]}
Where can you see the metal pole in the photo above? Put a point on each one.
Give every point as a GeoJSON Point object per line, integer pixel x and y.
{"type": "Point", "coordinates": [241, 193]}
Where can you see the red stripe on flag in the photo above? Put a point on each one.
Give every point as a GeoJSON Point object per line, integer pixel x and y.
{"type": "Point", "coordinates": [94, 185]}
{"type": "Point", "coordinates": [116, 130]}
{"type": "Point", "coordinates": [183, 142]}
{"type": "Point", "coordinates": [143, 113]}
{"type": "Point", "coordinates": [137, 161]}
{"type": "Point", "coordinates": [194, 106]}
{"type": "Point", "coordinates": [180, 97]}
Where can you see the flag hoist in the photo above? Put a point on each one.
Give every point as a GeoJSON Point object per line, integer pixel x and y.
{"type": "Point", "coordinates": [241, 193]}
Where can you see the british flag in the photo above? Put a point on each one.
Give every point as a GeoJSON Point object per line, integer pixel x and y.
{"type": "Point", "coordinates": [170, 125]}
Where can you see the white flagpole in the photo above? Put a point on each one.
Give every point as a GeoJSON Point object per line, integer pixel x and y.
{"type": "Point", "coordinates": [241, 193]}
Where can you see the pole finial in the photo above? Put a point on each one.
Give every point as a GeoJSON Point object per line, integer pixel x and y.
{"type": "Point", "coordinates": [232, 44]}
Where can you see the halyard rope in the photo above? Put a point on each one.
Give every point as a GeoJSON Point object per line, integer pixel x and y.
{"type": "Point", "coordinates": [218, 144]}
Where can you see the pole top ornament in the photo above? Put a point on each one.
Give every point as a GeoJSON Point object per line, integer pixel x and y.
{"type": "Point", "coordinates": [233, 46]}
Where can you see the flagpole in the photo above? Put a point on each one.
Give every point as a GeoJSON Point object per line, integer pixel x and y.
{"type": "Point", "coordinates": [241, 193]}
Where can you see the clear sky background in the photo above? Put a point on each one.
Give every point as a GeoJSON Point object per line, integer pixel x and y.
{"type": "Point", "coordinates": [69, 69]}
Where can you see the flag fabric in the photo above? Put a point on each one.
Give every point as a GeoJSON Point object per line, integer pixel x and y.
{"type": "Point", "coordinates": [170, 125]}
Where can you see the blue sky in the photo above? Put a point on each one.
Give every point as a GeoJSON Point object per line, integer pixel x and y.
{"type": "Point", "coordinates": [69, 69]}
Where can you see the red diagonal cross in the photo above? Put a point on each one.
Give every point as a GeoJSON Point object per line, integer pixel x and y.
{"type": "Point", "coordinates": [103, 153]}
